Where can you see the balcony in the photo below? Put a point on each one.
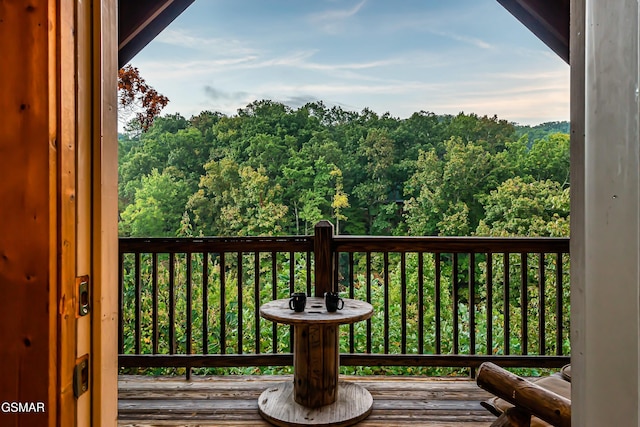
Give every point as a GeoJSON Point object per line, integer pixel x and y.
{"type": "Point", "coordinates": [442, 306]}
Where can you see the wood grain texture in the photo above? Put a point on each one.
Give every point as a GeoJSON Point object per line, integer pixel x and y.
{"type": "Point", "coordinates": [324, 262]}
{"type": "Point", "coordinates": [513, 417]}
{"type": "Point", "coordinates": [233, 401]}
{"type": "Point", "coordinates": [449, 244]}
{"type": "Point", "coordinates": [316, 312]}
{"type": "Point", "coordinates": [28, 227]}
{"type": "Point", "coordinates": [104, 219]}
{"type": "Point", "coordinates": [315, 361]}
{"type": "Point", "coordinates": [316, 347]}
{"type": "Point", "coordinates": [66, 195]}
{"type": "Point", "coordinates": [352, 404]}
{"type": "Point", "coordinates": [84, 124]}
{"type": "Point", "coordinates": [525, 395]}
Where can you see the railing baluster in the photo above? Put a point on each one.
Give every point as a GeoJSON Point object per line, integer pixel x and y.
{"type": "Point", "coordinates": [420, 303]}
{"type": "Point", "coordinates": [188, 260]}
{"type": "Point", "coordinates": [154, 302]}
{"type": "Point", "coordinates": [240, 305]}
{"type": "Point", "coordinates": [438, 292]}
{"type": "Point", "coordinates": [559, 350]}
{"type": "Point", "coordinates": [274, 296]}
{"type": "Point", "coordinates": [351, 295]}
{"type": "Point", "coordinates": [507, 305]}
{"type": "Point", "coordinates": [472, 303]}
{"type": "Point", "coordinates": [172, 305]}
{"type": "Point", "coordinates": [335, 281]}
{"type": "Point", "coordinates": [189, 302]}
{"type": "Point", "coordinates": [524, 304]}
{"type": "Point", "coordinates": [386, 301]}
{"type": "Point", "coordinates": [138, 295]}
{"type": "Point", "coordinates": [256, 299]}
{"type": "Point", "coordinates": [205, 303]}
{"type": "Point", "coordinates": [472, 309]}
{"type": "Point", "coordinates": [291, 290]}
{"type": "Point", "coordinates": [456, 300]}
{"type": "Point", "coordinates": [541, 306]}
{"type": "Point", "coordinates": [368, 290]}
{"type": "Point", "coordinates": [489, 303]}
{"type": "Point", "coordinates": [403, 308]}
{"type": "Point", "coordinates": [309, 281]}
{"type": "Point", "coordinates": [223, 305]}
{"type": "Point", "coordinates": [292, 271]}
{"type": "Point", "coordinates": [121, 302]}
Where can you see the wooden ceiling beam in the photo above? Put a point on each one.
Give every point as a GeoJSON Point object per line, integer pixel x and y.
{"type": "Point", "coordinates": [547, 19]}
{"type": "Point", "coordinates": [140, 21]}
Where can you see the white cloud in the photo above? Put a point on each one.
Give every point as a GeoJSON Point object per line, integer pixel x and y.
{"type": "Point", "coordinates": [439, 59]}
{"type": "Point", "coordinates": [216, 45]}
{"type": "Point", "coordinates": [343, 89]}
{"type": "Point", "coordinates": [465, 39]}
{"type": "Point", "coordinates": [337, 14]}
{"type": "Point", "coordinates": [332, 21]}
{"type": "Point", "coordinates": [300, 60]}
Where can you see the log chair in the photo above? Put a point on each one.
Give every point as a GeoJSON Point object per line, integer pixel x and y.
{"type": "Point", "coordinates": [533, 403]}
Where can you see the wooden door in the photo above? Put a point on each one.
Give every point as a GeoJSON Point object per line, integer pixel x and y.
{"type": "Point", "coordinates": [58, 212]}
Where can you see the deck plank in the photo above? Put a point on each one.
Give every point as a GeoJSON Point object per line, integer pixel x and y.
{"type": "Point", "coordinates": [226, 401]}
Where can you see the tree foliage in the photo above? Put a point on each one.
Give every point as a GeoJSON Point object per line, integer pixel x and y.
{"type": "Point", "coordinates": [137, 98]}
{"type": "Point", "coordinates": [236, 200]}
{"type": "Point", "coordinates": [271, 169]}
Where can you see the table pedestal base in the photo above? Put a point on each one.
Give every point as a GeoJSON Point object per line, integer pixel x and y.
{"type": "Point", "coordinates": [353, 404]}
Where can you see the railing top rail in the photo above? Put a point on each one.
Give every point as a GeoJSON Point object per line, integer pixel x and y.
{"type": "Point", "coordinates": [216, 244]}
{"type": "Point", "coordinates": [451, 244]}
{"type": "Point", "coordinates": [348, 244]}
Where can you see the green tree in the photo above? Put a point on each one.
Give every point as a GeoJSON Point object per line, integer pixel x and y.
{"type": "Point", "coordinates": [157, 207]}
{"type": "Point", "coordinates": [489, 132]}
{"type": "Point", "coordinates": [380, 187]}
{"type": "Point", "coordinates": [423, 208]}
{"type": "Point", "coordinates": [308, 189]}
{"type": "Point", "coordinates": [447, 192]}
{"type": "Point", "coordinates": [548, 158]}
{"type": "Point", "coordinates": [236, 200]}
{"type": "Point", "coordinates": [340, 198]}
{"type": "Point", "coordinates": [526, 208]}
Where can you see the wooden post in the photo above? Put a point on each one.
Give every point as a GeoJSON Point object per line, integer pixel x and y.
{"type": "Point", "coordinates": [323, 255]}
{"type": "Point", "coordinates": [525, 395]}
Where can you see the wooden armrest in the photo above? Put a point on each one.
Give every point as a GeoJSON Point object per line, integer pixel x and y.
{"type": "Point", "coordinates": [525, 395]}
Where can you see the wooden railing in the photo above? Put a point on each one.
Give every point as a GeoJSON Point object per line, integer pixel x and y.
{"type": "Point", "coordinates": [438, 301]}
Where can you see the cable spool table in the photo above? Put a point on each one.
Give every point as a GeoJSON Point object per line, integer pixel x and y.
{"type": "Point", "coordinates": [315, 397]}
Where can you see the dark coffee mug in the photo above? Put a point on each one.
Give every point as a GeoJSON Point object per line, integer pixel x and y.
{"type": "Point", "coordinates": [333, 301]}
{"type": "Point", "coordinates": [298, 301]}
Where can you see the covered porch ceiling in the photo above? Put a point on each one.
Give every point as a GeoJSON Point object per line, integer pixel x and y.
{"type": "Point", "coordinates": [140, 21]}
{"type": "Point", "coordinates": [547, 19]}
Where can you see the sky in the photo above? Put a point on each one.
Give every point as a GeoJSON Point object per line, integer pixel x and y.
{"type": "Point", "coordinates": [395, 56]}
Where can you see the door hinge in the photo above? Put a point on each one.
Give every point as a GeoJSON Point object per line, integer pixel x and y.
{"type": "Point", "coordinates": [83, 295]}
{"type": "Point", "coordinates": [81, 376]}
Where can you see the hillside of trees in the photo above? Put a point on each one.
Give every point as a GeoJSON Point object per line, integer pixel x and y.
{"type": "Point", "coordinates": [274, 170]}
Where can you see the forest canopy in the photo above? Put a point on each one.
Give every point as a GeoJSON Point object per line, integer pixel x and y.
{"type": "Point", "coordinates": [274, 170]}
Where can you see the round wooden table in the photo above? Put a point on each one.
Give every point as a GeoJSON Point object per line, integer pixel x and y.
{"type": "Point", "coordinates": [315, 397]}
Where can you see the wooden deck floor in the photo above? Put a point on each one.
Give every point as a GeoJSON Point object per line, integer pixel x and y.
{"type": "Point", "coordinates": [233, 401]}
